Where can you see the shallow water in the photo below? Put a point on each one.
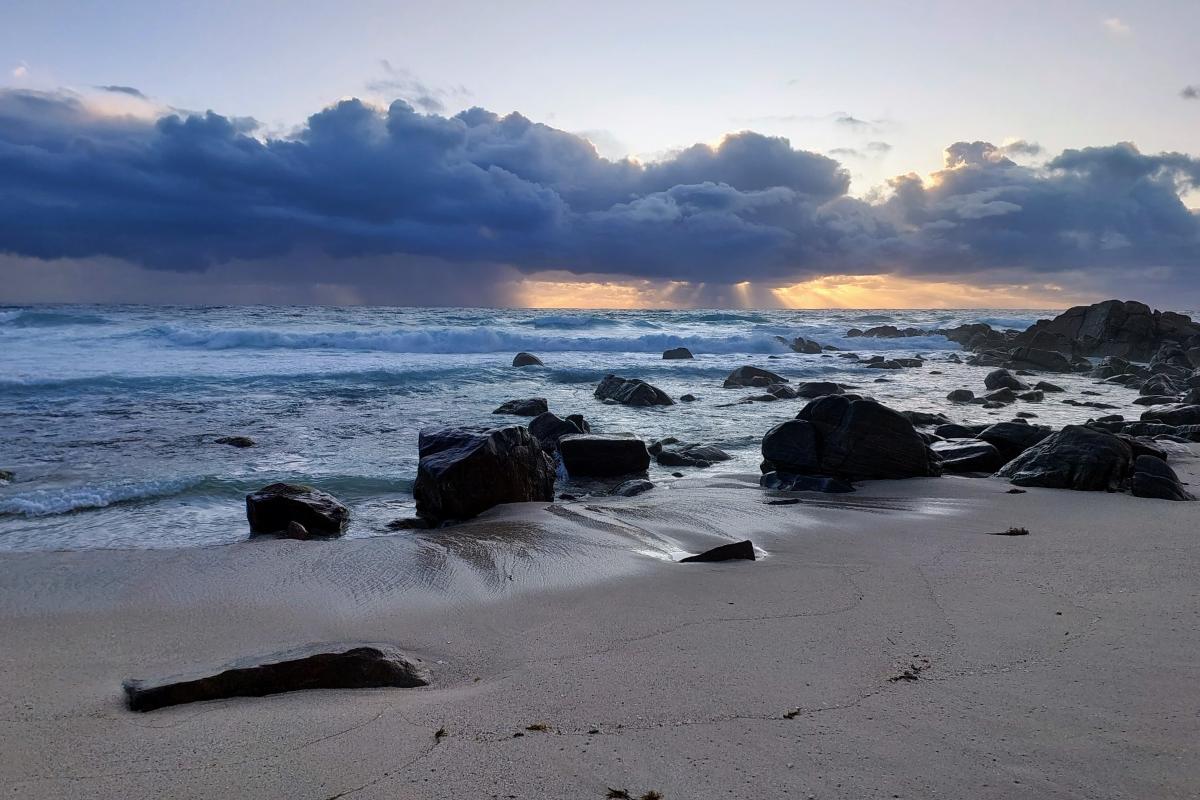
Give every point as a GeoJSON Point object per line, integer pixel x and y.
{"type": "Point", "coordinates": [108, 414]}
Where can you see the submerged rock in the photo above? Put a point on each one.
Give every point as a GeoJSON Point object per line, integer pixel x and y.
{"type": "Point", "coordinates": [236, 441]}
{"type": "Point", "coordinates": [748, 376]}
{"type": "Point", "coordinates": [631, 392]}
{"type": "Point", "coordinates": [272, 508]}
{"type": "Point", "coordinates": [311, 667]}
{"type": "Point", "coordinates": [463, 472]}
{"type": "Point", "coordinates": [7, 476]}
{"type": "Point", "coordinates": [527, 360]}
{"type": "Point", "coordinates": [1077, 457]}
{"type": "Point", "coordinates": [603, 455]}
{"type": "Point", "coordinates": [529, 407]}
{"type": "Point", "coordinates": [677, 353]}
{"type": "Point", "coordinates": [726, 552]}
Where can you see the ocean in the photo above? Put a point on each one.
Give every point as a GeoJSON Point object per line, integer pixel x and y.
{"type": "Point", "coordinates": [108, 414]}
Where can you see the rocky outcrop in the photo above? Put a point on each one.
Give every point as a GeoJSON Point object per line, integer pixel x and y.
{"type": "Point", "coordinates": [726, 552]}
{"type": "Point", "coordinates": [677, 353]}
{"type": "Point", "coordinates": [631, 392]}
{"type": "Point", "coordinates": [1127, 329]}
{"type": "Point", "coordinates": [603, 455]}
{"type": "Point", "coordinates": [463, 472]}
{"type": "Point", "coordinates": [1036, 358]}
{"type": "Point", "coordinates": [529, 407]}
{"type": "Point", "coordinates": [748, 376]}
{"type": "Point", "coordinates": [527, 360]}
{"type": "Point", "coordinates": [850, 439]}
{"type": "Point", "coordinates": [1077, 457]}
{"type": "Point", "coordinates": [357, 666]}
{"type": "Point", "coordinates": [272, 508]}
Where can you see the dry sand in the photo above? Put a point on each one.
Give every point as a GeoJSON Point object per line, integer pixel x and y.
{"type": "Point", "coordinates": [1065, 663]}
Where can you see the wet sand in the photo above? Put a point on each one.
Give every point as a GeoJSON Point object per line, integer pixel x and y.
{"type": "Point", "coordinates": [885, 646]}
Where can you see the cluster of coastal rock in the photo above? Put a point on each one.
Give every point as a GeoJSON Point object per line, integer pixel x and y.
{"type": "Point", "coordinates": [839, 437]}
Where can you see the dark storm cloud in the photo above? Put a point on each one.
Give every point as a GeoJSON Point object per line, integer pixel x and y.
{"type": "Point", "coordinates": [189, 191]}
{"type": "Point", "coordinates": [1190, 93]}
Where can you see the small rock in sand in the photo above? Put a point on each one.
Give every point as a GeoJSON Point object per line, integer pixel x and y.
{"type": "Point", "coordinates": [726, 552]}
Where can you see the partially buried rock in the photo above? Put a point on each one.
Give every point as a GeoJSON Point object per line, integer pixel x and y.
{"type": "Point", "coordinates": [465, 471]}
{"type": "Point", "coordinates": [529, 407]}
{"type": "Point", "coordinates": [236, 441]}
{"type": "Point", "coordinates": [1077, 457]}
{"type": "Point", "coordinates": [603, 455]}
{"type": "Point", "coordinates": [677, 353]}
{"type": "Point", "coordinates": [631, 392]}
{"type": "Point", "coordinates": [633, 488]}
{"type": "Point", "coordinates": [273, 508]}
{"type": "Point", "coordinates": [752, 376]}
{"type": "Point", "coordinates": [1152, 477]}
{"type": "Point", "coordinates": [790, 482]}
{"type": "Point", "coordinates": [726, 552]}
{"type": "Point", "coordinates": [527, 360]}
{"type": "Point", "coordinates": [311, 667]}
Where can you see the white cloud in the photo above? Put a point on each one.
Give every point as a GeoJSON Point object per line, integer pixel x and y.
{"type": "Point", "coordinates": [1117, 26]}
{"type": "Point", "coordinates": [20, 70]}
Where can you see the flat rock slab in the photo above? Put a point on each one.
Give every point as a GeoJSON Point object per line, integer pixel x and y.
{"type": "Point", "coordinates": [315, 666]}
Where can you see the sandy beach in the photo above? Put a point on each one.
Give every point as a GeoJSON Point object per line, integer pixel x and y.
{"type": "Point", "coordinates": [884, 646]}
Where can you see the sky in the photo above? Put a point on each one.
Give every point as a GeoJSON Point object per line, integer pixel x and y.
{"type": "Point", "coordinates": [564, 154]}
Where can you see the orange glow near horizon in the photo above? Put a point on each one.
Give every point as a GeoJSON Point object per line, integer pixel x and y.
{"type": "Point", "coordinates": [832, 291]}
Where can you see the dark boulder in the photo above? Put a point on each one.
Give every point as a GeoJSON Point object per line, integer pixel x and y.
{"type": "Point", "coordinates": [688, 398]}
{"type": "Point", "coordinates": [1152, 477]}
{"type": "Point", "coordinates": [1077, 457]}
{"type": "Point", "coordinates": [527, 360]}
{"type": "Point", "coordinates": [236, 441]}
{"type": "Point", "coordinates": [1173, 415]}
{"type": "Point", "coordinates": [726, 552]}
{"type": "Point", "coordinates": [681, 454]}
{"type": "Point", "coordinates": [961, 396]}
{"type": "Point", "coordinates": [955, 431]}
{"type": "Point", "coordinates": [311, 667]}
{"type": "Point", "coordinates": [1011, 438]}
{"type": "Point", "coordinates": [548, 428]}
{"type": "Point", "coordinates": [1032, 396]}
{"type": "Point", "coordinates": [1046, 386]}
{"type": "Point", "coordinates": [748, 376]}
{"type": "Point", "coordinates": [802, 345]}
{"type": "Point", "coordinates": [1002, 396]}
{"type": "Point", "coordinates": [1003, 379]}
{"type": "Point", "coordinates": [529, 407]}
{"type": "Point", "coordinates": [1036, 358]}
{"type": "Point", "coordinates": [463, 472]}
{"type": "Point", "coordinates": [631, 392]}
{"type": "Point", "coordinates": [677, 353]}
{"type": "Point", "coordinates": [1113, 328]}
{"type": "Point", "coordinates": [1159, 385]}
{"type": "Point", "coordinates": [810, 389]}
{"type": "Point", "coordinates": [968, 455]}
{"type": "Point", "coordinates": [925, 419]}
{"type": "Point", "coordinates": [603, 455]}
{"type": "Point", "coordinates": [272, 508]}
{"type": "Point", "coordinates": [850, 439]}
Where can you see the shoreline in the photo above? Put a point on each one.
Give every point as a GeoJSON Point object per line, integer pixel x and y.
{"type": "Point", "coordinates": [1059, 662]}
